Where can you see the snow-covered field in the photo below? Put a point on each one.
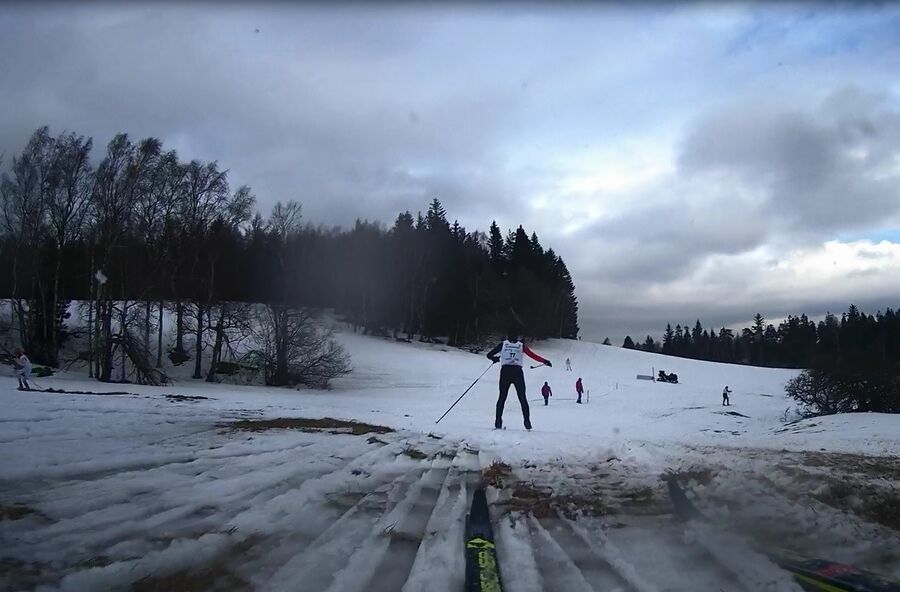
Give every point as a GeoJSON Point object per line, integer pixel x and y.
{"type": "Point", "coordinates": [150, 491]}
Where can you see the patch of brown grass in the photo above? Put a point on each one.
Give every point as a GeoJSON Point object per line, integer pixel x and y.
{"type": "Point", "coordinates": [214, 577]}
{"type": "Point", "coordinates": [16, 574]}
{"type": "Point", "coordinates": [326, 424]}
{"type": "Point", "coordinates": [871, 503]}
{"type": "Point", "coordinates": [881, 467]}
{"type": "Point", "coordinates": [15, 512]}
{"type": "Point", "coordinates": [185, 398]}
{"type": "Point", "coordinates": [496, 473]}
{"type": "Point", "coordinates": [645, 501]}
{"type": "Point", "coordinates": [344, 501]}
{"type": "Point", "coordinates": [541, 503]}
{"type": "Point", "coordinates": [414, 453]}
{"type": "Point", "coordinates": [700, 475]}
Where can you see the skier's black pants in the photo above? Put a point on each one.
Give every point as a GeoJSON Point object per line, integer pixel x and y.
{"type": "Point", "coordinates": [512, 375]}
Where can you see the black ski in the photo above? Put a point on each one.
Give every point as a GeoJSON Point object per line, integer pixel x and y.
{"type": "Point", "coordinates": [815, 575]}
{"type": "Point", "coordinates": [482, 569]}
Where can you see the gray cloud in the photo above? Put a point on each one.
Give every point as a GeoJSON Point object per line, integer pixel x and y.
{"type": "Point", "coordinates": [749, 175]}
{"type": "Point", "coordinates": [786, 134]}
{"type": "Point", "coordinates": [823, 170]}
{"type": "Point", "coordinates": [315, 107]}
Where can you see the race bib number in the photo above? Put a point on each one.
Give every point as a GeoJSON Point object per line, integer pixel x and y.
{"type": "Point", "coordinates": [511, 354]}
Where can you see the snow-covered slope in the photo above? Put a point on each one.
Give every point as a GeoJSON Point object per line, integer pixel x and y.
{"type": "Point", "coordinates": [410, 385]}
{"type": "Point", "coordinates": [156, 489]}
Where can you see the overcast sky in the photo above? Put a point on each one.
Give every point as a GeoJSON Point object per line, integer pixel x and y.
{"type": "Point", "coordinates": [707, 161]}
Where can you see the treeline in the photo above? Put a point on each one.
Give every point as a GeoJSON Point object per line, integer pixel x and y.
{"type": "Point", "coordinates": [797, 342]}
{"type": "Point", "coordinates": [852, 363]}
{"type": "Point", "coordinates": [143, 231]}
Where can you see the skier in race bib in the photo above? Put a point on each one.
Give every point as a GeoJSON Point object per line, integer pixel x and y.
{"type": "Point", "coordinates": [510, 354]}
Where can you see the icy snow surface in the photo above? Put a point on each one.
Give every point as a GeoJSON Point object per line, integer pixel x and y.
{"type": "Point", "coordinates": [148, 492]}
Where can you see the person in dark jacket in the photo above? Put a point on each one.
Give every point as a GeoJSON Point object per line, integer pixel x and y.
{"type": "Point", "coordinates": [510, 353]}
{"type": "Point", "coordinates": [579, 388]}
{"type": "Point", "coordinates": [546, 393]}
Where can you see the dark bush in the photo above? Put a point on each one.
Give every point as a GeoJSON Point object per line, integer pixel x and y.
{"type": "Point", "coordinates": [845, 389]}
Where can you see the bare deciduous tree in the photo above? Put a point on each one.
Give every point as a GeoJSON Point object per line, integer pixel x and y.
{"type": "Point", "coordinates": [294, 348]}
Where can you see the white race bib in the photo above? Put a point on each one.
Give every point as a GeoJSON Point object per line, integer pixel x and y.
{"type": "Point", "coordinates": [511, 354]}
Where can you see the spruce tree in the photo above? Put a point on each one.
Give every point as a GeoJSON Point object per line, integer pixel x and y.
{"type": "Point", "coordinates": [495, 245]}
{"type": "Point", "coordinates": [668, 340]}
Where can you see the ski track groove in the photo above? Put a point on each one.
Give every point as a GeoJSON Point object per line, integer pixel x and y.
{"type": "Point", "coordinates": [361, 568]}
{"type": "Point", "coordinates": [132, 527]}
{"type": "Point", "coordinates": [753, 570]}
{"type": "Point", "coordinates": [515, 554]}
{"type": "Point", "coordinates": [601, 566]}
{"type": "Point", "coordinates": [407, 538]}
{"type": "Point", "coordinates": [169, 509]}
{"type": "Point", "coordinates": [557, 568]}
{"type": "Point", "coordinates": [328, 552]}
{"type": "Point", "coordinates": [440, 562]}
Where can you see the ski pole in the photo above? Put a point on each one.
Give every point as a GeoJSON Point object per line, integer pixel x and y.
{"type": "Point", "coordinates": [464, 393]}
{"type": "Point", "coordinates": [538, 366]}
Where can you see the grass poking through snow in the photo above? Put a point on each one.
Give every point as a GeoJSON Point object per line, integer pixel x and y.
{"type": "Point", "coordinates": [327, 424]}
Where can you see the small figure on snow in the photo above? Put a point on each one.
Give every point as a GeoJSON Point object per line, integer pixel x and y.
{"type": "Point", "coordinates": [546, 393]}
{"type": "Point", "coordinates": [23, 369]}
{"type": "Point", "coordinates": [568, 364]}
{"type": "Point", "coordinates": [725, 399]}
{"type": "Point", "coordinates": [510, 355]}
{"type": "Point", "coordinates": [663, 377]}
{"type": "Point", "coordinates": [579, 388]}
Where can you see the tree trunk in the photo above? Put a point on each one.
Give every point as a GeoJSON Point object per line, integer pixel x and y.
{"type": "Point", "coordinates": [90, 324]}
{"type": "Point", "coordinates": [159, 340]}
{"type": "Point", "coordinates": [199, 345]}
{"type": "Point", "coordinates": [97, 339]}
{"type": "Point", "coordinates": [179, 326]}
{"type": "Point", "coordinates": [106, 367]}
{"type": "Point", "coordinates": [147, 312]}
{"type": "Point", "coordinates": [281, 346]}
{"type": "Point", "coordinates": [53, 345]}
{"type": "Point", "coordinates": [217, 347]}
{"type": "Point", "coordinates": [123, 336]}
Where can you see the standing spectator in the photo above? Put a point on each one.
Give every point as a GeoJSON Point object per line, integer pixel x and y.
{"type": "Point", "coordinates": [547, 393]}
{"type": "Point", "coordinates": [579, 388]}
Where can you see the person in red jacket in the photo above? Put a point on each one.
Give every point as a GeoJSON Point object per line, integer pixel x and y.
{"type": "Point", "coordinates": [579, 388]}
{"type": "Point", "coordinates": [546, 392]}
{"type": "Point", "coordinates": [510, 354]}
